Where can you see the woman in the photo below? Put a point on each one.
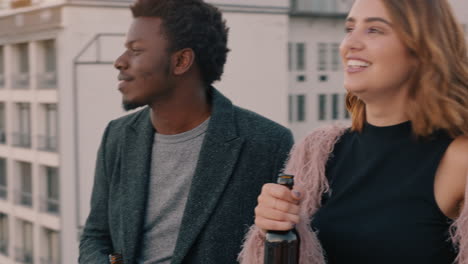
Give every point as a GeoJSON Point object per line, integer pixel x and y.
{"type": "Point", "coordinates": [392, 187]}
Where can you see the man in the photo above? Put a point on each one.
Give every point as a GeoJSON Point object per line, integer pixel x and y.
{"type": "Point", "coordinates": [177, 181]}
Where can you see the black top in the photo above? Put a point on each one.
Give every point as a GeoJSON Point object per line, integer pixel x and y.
{"type": "Point", "coordinates": [381, 207]}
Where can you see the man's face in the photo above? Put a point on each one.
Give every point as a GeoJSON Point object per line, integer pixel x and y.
{"type": "Point", "coordinates": [145, 64]}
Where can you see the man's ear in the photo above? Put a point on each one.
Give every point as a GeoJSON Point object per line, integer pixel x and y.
{"type": "Point", "coordinates": [182, 61]}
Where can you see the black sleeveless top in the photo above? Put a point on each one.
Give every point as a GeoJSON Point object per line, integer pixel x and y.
{"type": "Point", "coordinates": [381, 208]}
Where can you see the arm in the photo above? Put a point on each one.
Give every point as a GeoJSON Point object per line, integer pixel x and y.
{"type": "Point", "coordinates": [457, 170]}
{"type": "Point", "coordinates": [95, 243]}
{"type": "Point", "coordinates": [307, 162]}
{"type": "Point", "coordinates": [252, 249]}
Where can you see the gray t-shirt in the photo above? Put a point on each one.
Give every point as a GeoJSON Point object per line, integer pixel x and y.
{"type": "Point", "coordinates": [173, 164]}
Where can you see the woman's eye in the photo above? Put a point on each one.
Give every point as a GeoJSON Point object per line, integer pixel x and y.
{"type": "Point", "coordinates": [374, 30]}
{"type": "Point", "coordinates": [348, 29]}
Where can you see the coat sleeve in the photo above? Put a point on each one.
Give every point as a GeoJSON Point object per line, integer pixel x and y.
{"type": "Point", "coordinates": [95, 243]}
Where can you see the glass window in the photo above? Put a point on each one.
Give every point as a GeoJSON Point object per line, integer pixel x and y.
{"type": "Point", "coordinates": [346, 112]}
{"type": "Point", "coordinates": [335, 106]}
{"type": "Point", "coordinates": [301, 108]}
{"type": "Point", "coordinates": [322, 113]}
{"type": "Point", "coordinates": [2, 124]}
{"type": "Point", "coordinates": [336, 61]}
{"type": "Point", "coordinates": [301, 55]}
{"type": "Point", "coordinates": [50, 56]}
{"type": "Point", "coordinates": [23, 55]}
{"type": "Point", "coordinates": [322, 56]}
{"type": "Point", "coordinates": [4, 234]}
{"type": "Point", "coordinates": [3, 179]}
{"type": "Point", "coordinates": [290, 108]}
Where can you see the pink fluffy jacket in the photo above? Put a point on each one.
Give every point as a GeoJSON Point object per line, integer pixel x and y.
{"type": "Point", "coordinates": [307, 162]}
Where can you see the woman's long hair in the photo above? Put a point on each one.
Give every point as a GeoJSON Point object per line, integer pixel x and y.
{"type": "Point", "coordinates": [438, 94]}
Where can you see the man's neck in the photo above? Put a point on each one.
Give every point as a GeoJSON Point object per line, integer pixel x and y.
{"type": "Point", "coordinates": [181, 112]}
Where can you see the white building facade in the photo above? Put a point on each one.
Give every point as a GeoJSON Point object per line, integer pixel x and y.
{"type": "Point", "coordinates": [58, 90]}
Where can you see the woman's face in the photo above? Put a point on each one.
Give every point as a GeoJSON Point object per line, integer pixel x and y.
{"type": "Point", "coordinates": [377, 64]}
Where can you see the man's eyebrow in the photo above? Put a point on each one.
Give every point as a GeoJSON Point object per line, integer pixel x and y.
{"type": "Point", "coordinates": [370, 19]}
{"type": "Point", "coordinates": [130, 42]}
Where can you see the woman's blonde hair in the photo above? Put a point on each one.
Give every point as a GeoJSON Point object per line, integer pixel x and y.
{"type": "Point", "coordinates": [438, 95]}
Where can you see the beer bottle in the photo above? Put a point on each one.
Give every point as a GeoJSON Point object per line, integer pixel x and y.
{"type": "Point", "coordinates": [282, 247]}
{"type": "Point", "coordinates": [116, 258]}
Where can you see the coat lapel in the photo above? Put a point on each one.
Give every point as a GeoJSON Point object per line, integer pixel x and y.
{"type": "Point", "coordinates": [218, 156]}
{"type": "Point", "coordinates": [136, 164]}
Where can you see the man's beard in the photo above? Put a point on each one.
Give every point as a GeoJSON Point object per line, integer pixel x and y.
{"type": "Point", "coordinates": [128, 106]}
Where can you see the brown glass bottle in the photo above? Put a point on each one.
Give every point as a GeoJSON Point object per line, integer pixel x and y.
{"type": "Point", "coordinates": [282, 247]}
{"type": "Point", "coordinates": [115, 259]}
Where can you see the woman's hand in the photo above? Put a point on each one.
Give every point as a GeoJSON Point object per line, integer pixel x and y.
{"type": "Point", "coordinates": [278, 208]}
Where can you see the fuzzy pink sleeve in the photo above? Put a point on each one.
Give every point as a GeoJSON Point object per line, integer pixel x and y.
{"type": "Point", "coordinates": [307, 162]}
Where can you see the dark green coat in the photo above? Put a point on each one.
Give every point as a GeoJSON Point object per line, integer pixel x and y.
{"type": "Point", "coordinates": [241, 151]}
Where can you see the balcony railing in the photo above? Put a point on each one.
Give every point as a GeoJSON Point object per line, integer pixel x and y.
{"type": "Point", "coordinates": [21, 80]}
{"type": "Point", "coordinates": [48, 260]}
{"type": "Point", "coordinates": [2, 80]}
{"type": "Point", "coordinates": [22, 140]}
{"type": "Point", "coordinates": [23, 255]}
{"type": "Point", "coordinates": [23, 198]}
{"type": "Point", "coordinates": [47, 143]}
{"type": "Point", "coordinates": [4, 247]}
{"type": "Point", "coordinates": [2, 136]}
{"type": "Point", "coordinates": [50, 205]}
{"type": "Point", "coordinates": [47, 80]}
{"type": "Point", "coordinates": [3, 192]}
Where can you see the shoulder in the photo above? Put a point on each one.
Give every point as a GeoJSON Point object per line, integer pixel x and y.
{"type": "Point", "coordinates": [129, 118]}
{"type": "Point", "coordinates": [457, 152]}
{"type": "Point", "coordinates": [254, 124]}
{"type": "Point", "coordinates": [456, 157]}
{"type": "Point", "coordinates": [317, 146]}
{"type": "Point", "coordinates": [455, 165]}
{"type": "Point", "coordinates": [325, 136]}
{"type": "Point", "coordinates": [115, 128]}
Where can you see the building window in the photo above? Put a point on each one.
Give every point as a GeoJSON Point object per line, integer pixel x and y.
{"type": "Point", "coordinates": [301, 108]}
{"type": "Point", "coordinates": [25, 247]}
{"type": "Point", "coordinates": [4, 234]}
{"type": "Point", "coordinates": [290, 56]}
{"type": "Point", "coordinates": [322, 57]}
{"type": "Point", "coordinates": [346, 112]}
{"type": "Point", "coordinates": [335, 106]}
{"type": "Point", "coordinates": [52, 247]}
{"type": "Point", "coordinates": [48, 65]}
{"type": "Point", "coordinates": [301, 56]}
{"type": "Point", "coordinates": [323, 78]}
{"type": "Point", "coordinates": [22, 136]}
{"type": "Point", "coordinates": [335, 56]}
{"type": "Point", "coordinates": [50, 201]}
{"type": "Point", "coordinates": [322, 107]}
{"type": "Point", "coordinates": [294, 5]}
{"type": "Point", "coordinates": [24, 194]}
{"type": "Point", "coordinates": [290, 108]}
{"type": "Point", "coordinates": [21, 76]}
{"type": "Point", "coordinates": [3, 179]}
{"type": "Point", "coordinates": [2, 67]}
{"type": "Point", "coordinates": [2, 124]}
{"type": "Point", "coordinates": [301, 78]}
{"type": "Point", "coordinates": [47, 141]}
